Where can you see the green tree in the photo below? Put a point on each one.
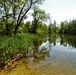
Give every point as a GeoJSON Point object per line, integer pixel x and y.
{"type": "Point", "coordinates": [13, 12]}
{"type": "Point", "coordinates": [50, 28]}
{"type": "Point", "coordinates": [27, 27]}
{"type": "Point", "coordinates": [38, 15]}
{"type": "Point", "coordinates": [50, 24]}
{"type": "Point", "coordinates": [54, 27]}
{"type": "Point", "coordinates": [42, 27]}
{"type": "Point", "coordinates": [62, 28]}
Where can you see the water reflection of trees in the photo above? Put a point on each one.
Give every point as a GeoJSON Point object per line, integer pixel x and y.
{"type": "Point", "coordinates": [39, 55]}
{"type": "Point", "coordinates": [64, 40]}
{"type": "Point", "coordinates": [43, 47]}
{"type": "Point", "coordinates": [53, 38]}
{"type": "Point", "coordinates": [68, 40]}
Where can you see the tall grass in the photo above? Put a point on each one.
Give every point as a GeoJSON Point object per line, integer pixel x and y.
{"type": "Point", "coordinates": [14, 44]}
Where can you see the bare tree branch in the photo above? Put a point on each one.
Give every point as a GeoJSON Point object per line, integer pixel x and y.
{"type": "Point", "coordinates": [22, 17]}
{"type": "Point", "coordinates": [25, 12]}
{"type": "Point", "coordinates": [20, 13]}
{"type": "Point", "coordinates": [35, 2]}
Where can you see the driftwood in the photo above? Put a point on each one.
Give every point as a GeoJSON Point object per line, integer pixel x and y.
{"type": "Point", "coordinates": [11, 62]}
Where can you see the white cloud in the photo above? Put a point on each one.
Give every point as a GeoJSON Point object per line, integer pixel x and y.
{"type": "Point", "coordinates": [65, 15]}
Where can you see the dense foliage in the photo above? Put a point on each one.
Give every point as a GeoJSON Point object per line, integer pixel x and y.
{"type": "Point", "coordinates": [13, 12]}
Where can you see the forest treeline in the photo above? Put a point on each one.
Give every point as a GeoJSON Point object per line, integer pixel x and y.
{"type": "Point", "coordinates": [13, 13]}
{"type": "Point", "coordinates": [64, 28]}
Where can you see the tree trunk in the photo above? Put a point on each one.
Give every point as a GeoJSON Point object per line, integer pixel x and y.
{"type": "Point", "coordinates": [16, 28]}
{"type": "Point", "coordinates": [20, 19]}
{"type": "Point", "coordinates": [34, 27]}
{"type": "Point", "coordinates": [7, 29]}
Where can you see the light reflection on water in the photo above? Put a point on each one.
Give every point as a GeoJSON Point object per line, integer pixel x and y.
{"type": "Point", "coordinates": [45, 46]}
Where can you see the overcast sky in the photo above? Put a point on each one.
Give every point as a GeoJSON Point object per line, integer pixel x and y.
{"type": "Point", "coordinates": [60, 10]}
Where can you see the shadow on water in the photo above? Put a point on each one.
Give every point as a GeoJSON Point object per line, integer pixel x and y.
{"type": "Point", "coordinates": [51, 48]}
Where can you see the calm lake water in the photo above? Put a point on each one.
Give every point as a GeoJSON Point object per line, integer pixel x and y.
{"type": "Point", "coordinates": [51, 55]}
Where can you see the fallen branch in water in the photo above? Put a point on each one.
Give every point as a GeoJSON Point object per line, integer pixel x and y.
{"type": "Point", "coordinates": [11, 62]}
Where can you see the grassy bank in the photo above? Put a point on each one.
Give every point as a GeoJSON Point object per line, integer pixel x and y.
{"type": "Point", "coordinates": [14, 44]}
